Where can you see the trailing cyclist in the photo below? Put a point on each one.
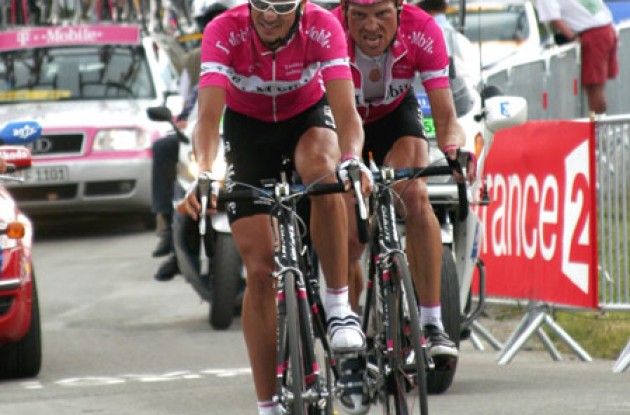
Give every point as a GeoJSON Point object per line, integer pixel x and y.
{"type": "Point", "coordinates": [388, 43]}
{"type": "Point", "coordinates": [266, 63]}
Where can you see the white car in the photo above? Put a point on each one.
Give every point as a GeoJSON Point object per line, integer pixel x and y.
{"type": "Point", "coordinates": [88, 86]}
{"type": "Point", "coordinates": [507, 31]}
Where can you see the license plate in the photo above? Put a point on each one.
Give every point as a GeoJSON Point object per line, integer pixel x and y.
{"type": "Point", "coordinates": [51, 174]}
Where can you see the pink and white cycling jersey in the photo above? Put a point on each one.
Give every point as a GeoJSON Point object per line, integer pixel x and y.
{"type": "Point", "coordinates": [273, 85]}
{"type": "Point", "coordinates": [419, 47]}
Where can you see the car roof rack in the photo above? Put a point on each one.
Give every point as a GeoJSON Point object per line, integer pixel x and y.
{"type": "Point", "coordinates": [167, 16]}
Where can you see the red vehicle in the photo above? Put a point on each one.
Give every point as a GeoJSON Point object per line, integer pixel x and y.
{"type": "Point", "coordinates": [20, 329]}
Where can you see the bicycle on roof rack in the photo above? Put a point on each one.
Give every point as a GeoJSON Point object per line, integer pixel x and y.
{"type": "Point", "coordinates": [168, 16]}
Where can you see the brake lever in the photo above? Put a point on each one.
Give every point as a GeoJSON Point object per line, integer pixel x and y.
{"type": "Point", "coordinates": [459, 165]}
{"type": "Point", "coordinates": [203, 184]}
{"type": "Point", "coordinates": [354, 173]}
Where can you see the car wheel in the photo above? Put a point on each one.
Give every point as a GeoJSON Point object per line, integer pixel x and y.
{"type": "Point", "coordinates": [23, 358]}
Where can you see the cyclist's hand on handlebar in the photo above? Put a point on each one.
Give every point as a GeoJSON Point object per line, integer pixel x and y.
{"type": "Point", "coordinates": [458, 157]}
{"type": "Point", "coordinates": [201, 197]}
{"type": "Point", "coordinates": [346, 166]}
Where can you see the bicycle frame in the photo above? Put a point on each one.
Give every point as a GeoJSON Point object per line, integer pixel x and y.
{"type": "Point", "coordinates": [391, 309]}
{"type": "Point", "coordinates": [301, 386]}
{"type": "Point", "coordinates": [290, 280]}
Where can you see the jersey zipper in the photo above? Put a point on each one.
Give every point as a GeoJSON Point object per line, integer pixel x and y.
{"type": "Point", "coordinates": [273, 82]}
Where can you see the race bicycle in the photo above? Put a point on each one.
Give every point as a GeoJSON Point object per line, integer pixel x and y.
{"type": "Point", "coordinates": [396, 356]}
{"type": "Point", "coordinates": [306, 369]}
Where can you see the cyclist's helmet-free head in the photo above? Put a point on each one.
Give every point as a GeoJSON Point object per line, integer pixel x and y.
{"type": "Point", "coordinates": [205, 10]}
{"type": "Point", "coordinates": [345, 3]}
{"type": "Point", "coordinates": [284, 7]}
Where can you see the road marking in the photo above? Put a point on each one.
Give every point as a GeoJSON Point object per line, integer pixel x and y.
{"type": "Point", "coordinates": [93, 381]}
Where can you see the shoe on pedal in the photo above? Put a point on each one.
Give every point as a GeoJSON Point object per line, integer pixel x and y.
{"type": "Point", "coordinates": [353, 398]}
{"type": "Point", "coordinates": [438, 343]}
{"type": "Point", "coordinates": [345, 333]}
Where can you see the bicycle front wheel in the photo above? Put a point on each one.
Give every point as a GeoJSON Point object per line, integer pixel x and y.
{"type": "Point", "coordinates": [407, 380]}
{"type": "Point", "coordinates": [293, 377]}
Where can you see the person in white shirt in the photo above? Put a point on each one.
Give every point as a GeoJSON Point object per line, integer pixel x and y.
{"type": "Point", "coordinates": [590, 23]}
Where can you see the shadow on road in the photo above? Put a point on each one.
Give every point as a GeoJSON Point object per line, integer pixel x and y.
{"type": "Point", "coordinates": [79, 226]}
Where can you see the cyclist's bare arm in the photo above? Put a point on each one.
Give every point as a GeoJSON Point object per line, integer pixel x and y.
{"type": "Point", "coordinates": [206, 137]}
{"type": "Point", "coordinates": [450, 134]}
{"type": "Point", "coordinates": [349, 126]}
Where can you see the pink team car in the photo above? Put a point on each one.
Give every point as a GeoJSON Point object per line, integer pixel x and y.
{"type": "Point", "coordinates": [89, 87]}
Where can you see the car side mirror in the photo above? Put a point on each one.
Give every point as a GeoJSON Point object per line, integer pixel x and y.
{"type": "Point", "coordinates": [159, 114]}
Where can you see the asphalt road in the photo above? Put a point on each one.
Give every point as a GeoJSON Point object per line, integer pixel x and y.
{"type": "Point", "coordinates": [117, 342]}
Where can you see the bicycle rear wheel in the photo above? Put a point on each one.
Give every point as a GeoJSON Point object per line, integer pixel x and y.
{"type": "Point", "coordinates": [407, 379]}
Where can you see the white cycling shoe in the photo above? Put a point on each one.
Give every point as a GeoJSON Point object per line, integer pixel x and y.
{"type": "Point", "coordinates": [345, 333]}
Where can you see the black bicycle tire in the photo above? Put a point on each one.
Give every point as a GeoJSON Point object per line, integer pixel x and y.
{"type": "Point", "coordinates": [404, 276]}
{"type": "Point", "coordinates": [439, 379]}
{"type": "Point", "coordinates": [327, 371]}
{"type": "Point", "coordinates": [294, 340]}
{"type": "Point", "coordinates": [374, 329]}
{"type": "Point", "coordinates": [362, 225]}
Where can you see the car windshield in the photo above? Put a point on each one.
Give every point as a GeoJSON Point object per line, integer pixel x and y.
{"type": "Point", "coordinates": [494, 24]}
{"type": "Point", "coordinates": [74, 73]}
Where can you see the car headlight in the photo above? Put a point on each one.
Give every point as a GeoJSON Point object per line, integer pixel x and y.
{"type": "Point", "coordinates": [121, 140]}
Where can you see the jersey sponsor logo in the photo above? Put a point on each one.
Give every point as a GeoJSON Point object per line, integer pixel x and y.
{"type": "Point", "coordinates": [256, 85]}
{"type": "Point", "coordinates": [321, 36]}
{"type": "Point", "coordinates": [393, 92]}
{"type": "Point", "coordinates": [421, 40]}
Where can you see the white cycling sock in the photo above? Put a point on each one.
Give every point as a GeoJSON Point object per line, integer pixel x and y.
{"type": "Point", "coordinates": [268, 408]}
{"type": "Point", "coordinates": [431, 315]}
{"type": "Point", "coordinates": [336, 302]}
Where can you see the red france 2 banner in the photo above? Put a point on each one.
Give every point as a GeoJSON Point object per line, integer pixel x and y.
{"type": "Point", "coordinates": [540, 230]}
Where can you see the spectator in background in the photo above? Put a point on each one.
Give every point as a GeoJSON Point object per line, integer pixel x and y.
{"type": "Point", "coordinates": [464, 69]}
{"type": "Point", "coordinates": [590, 23]}
{"type": "Point", "coordinates": [464, 61]}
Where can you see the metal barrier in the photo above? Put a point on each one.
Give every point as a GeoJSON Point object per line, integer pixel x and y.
{"type": "Point", "coordinates": [551, 83]}
{"type": "Point", "coordinates": [613, 193]}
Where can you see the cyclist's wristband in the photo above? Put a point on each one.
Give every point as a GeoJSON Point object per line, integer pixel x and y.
{"type": "Point", "coordinates": [449, 148]}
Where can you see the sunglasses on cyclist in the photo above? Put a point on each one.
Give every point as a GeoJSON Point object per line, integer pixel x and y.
{"type": "Point", "coordinates": [282, 7]}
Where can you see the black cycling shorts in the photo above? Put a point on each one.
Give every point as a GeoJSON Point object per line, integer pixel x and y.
{"type": "Point", "coordinates": [256, 150]}
{"type": "Point", "coordinates": [381, 134]}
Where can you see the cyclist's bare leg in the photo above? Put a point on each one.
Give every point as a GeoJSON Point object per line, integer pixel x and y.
{"type": "Point", "coordinates": [355, 250]}
{"type": "Point", "coordinates": [355, 284]}
{"type": "Point", "coordinates": [254, 241]}
{"type": "Point", "coordinates": [316, 156]}
{"type": "Point", "coordinates": [424, 245]}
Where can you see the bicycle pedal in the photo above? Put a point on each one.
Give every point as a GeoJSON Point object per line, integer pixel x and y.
{"type": "Point", "coordinates": [346, 354]}
{"type": "Point", "coordinates": [444, 363]}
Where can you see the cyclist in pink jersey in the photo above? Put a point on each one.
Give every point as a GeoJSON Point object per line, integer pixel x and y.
{"type": "Point", "coordinates": [389, 43]}
{"type": "Point", "coordinates": [280, 69]}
